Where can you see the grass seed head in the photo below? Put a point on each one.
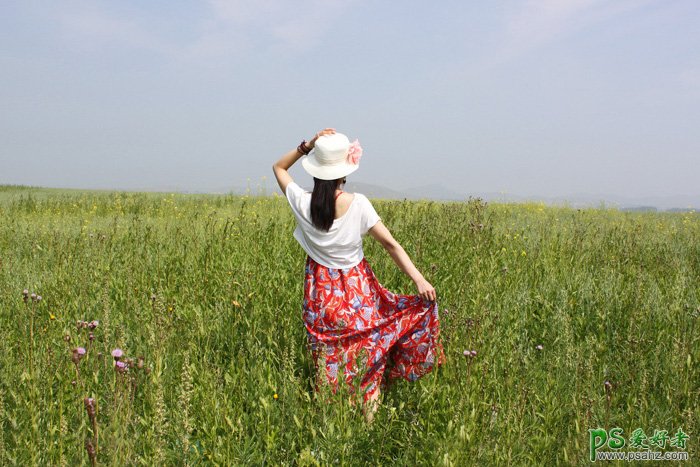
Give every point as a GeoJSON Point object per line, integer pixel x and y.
{"type": "Point", "coordinates": [90, 407]}
{"type": "Point", "coordinates": [92, 453]}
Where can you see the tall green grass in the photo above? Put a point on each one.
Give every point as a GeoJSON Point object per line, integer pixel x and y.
{"type": "Point", "coordinates": [208, 290]}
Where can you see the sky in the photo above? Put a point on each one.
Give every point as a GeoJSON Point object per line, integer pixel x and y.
{"type": "Point", "coordinates": [527, 97]}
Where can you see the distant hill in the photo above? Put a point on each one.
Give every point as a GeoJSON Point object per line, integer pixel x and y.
{"type": "Point", "coordinates": [640, 209]}
{"type": "Point", "coordinates": [576, 200]}
{"type": "Point", "coordinates": [580, 200]}
{"type": "Point", "coordinates": [435, 191]}
{"type": "Point", "coordinates": [374, 191]}
{"type": "Point", "coordinates": [696, 210]}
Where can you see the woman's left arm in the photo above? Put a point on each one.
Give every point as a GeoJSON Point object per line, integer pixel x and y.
{"type": "Point", "coordinates": [281, 167]}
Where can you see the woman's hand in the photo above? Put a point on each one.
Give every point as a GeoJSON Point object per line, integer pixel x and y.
{"type": "Point", "coordinates": [325, 131]}
{"type": "Point", "coordinates": [426, 290]}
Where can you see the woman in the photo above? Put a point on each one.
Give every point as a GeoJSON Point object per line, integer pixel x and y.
{"type": "Point", "coordinates": [346, 311]}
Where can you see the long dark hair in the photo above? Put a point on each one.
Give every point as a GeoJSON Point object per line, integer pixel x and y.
{"type": "Point", "coordinates": [323, 203]}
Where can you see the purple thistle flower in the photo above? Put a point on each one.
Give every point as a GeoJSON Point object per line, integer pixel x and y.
{"type": "Point", "coordinates": [121, 367]}
{"type": "Point", "coordinates": [117, 354]}
{"type": "Point", "coordinates": [93, 324]}
{"type": "Point", "coordinates": [467, 353]}
{"type": "Point", "coordinates": [77, 355]}
{"type": "Point", "coordinates": [473, 353]}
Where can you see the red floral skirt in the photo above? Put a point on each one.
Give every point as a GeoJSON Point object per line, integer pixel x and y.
{"type": "Point", "coordinates": [357, 327]}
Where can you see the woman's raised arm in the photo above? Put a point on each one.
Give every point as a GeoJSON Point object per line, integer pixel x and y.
{"type": "Point", "coordinates": [281, 167]}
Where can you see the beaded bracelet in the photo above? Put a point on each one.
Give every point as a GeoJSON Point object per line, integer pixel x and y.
{"type": "Point", "coordinates": [302, 148]}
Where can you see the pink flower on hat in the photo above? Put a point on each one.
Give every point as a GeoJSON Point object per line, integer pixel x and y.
{"type": "Point", "coordinates": [354, 153]}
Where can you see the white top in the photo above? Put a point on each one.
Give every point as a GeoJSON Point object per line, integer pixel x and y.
{"type": "Point", "coordinates": [341, 246]}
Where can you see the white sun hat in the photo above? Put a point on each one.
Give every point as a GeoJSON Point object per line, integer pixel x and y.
{"type": "Point", "coordinates": [333, 157]}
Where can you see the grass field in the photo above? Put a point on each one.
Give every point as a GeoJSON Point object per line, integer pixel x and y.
{"type": "Point", "coordinates": [208, 288]}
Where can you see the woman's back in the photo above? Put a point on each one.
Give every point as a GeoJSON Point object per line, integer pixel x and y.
{"type": "Point", "coordinates": [342, 202]}
{"type": "Point", "coordinates": [341, 246]}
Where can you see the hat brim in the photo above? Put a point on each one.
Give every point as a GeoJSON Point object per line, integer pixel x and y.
{"type": "Point", "coordinates": [327, 172]}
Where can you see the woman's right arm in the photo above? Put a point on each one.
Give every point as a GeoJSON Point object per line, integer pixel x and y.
{"type": "Point", "coordinates": [380, 233]}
